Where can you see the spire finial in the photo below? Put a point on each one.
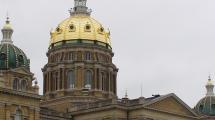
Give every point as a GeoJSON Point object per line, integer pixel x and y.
{"type": "Point", "coordinates": [141, 88]}
{"type": "Point", "coordinates": [7, 18]}
{"type": "Point", "coordinates": [209, 77]}
{"type": "Point", "coordinates": [80, 8]}
{"type": "Point", "coordinates": [126, 93]}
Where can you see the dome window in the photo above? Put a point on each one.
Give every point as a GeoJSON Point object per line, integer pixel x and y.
{"type": "Point", "coordinates": [3, 56]}
{"type": "Point", "coordinates": [72, 28]}
{"type": "Point", "coordinates": [21, 60]}
{"type": "Point", "coordinates": [87, 28]}
{"type": "Point", "coordinates": [58, 30]}
{"type": "Point", "coordinates": [101, 29]}
{"type": "Point", "coordinates": [201, 108]}
{"type": "Point", "coordinates": [213, 107]}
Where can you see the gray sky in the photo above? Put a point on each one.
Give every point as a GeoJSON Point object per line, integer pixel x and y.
{"type": "Point", "coordinates": [167, 46]}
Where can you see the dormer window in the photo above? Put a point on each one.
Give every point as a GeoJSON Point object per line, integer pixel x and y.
{"type": "Point", "coordinates": [201, 108]}
{"type": "Point", "coordinates": [88, 28]}
{"type": "Point", "coordinates": [21, 60]}
{"type": "Point", "coordinates": [213, 107]}
{"type": "Point", "coordinates": [58, 30]}
{"type": "Point", "coordinates": [3, 56]}
{"type": "Point", "coordinates": [72, 28]}
{"type": "Point", "coordinates": [101, 29]}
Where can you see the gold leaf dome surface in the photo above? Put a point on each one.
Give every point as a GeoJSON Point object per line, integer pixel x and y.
{"type": "Point", "coordinates": [80, 27]}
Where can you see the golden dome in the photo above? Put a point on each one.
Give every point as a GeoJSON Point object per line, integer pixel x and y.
{"type": "Point", "coordinates": [81, 27]}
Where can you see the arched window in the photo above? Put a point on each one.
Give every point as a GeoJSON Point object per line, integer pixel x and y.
{"type": "Point", "coordinates": [23, 85]}
{"type": "Point", "coordinates": [18, 115]}
{"type": "Point", "coordinates": [15, 84]}
{"type": "Point", "coordinates": [71, 79]}
{"type": "Point", "coordinates": [88, 79]}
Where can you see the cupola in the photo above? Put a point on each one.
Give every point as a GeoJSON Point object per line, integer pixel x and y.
{"type": "Point", "coordinates": [206, 106]}
{"type": "Point", "coordinates": [11, 56]}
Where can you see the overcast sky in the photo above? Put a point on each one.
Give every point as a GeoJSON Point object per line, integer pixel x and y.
{"type": "Point", "coordinates": [167, 46]}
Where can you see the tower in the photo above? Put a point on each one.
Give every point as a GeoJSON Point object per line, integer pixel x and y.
{"type": "Point", "coordinates": [79, 67]}
{"type": "Point", "coordinates": [19, 99]}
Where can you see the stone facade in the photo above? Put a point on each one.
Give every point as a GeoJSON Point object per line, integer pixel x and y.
{"type": "Point", "coordinates": [18, 99]}
{"type": "Point", "coordinates": [11, 102]}
{"type": "Point", "coordinates": [77, 74]}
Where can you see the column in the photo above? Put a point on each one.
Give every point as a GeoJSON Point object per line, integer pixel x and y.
{"type": "Point", "coordinates": [109, 81]}
{"type": "Point", "coordinates": [63, 80]}
{"type": "Point", "coordinates": [49, 82]}
{"type": "Point", "coordinates": [65, 76]}
{"type": "Point", "coordinates": [98, 78]}
{"type": "Point", "coordinates": [95, 79]}
{"type": "Point", "coordinates": [58, 80]}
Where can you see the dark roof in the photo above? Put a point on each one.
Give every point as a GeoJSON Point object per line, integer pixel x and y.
{"type": "Point", "coordinates": [12, 57]}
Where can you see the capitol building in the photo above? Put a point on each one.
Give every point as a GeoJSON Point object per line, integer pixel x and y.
{"type": "Point", "coordinates": [80, 79]}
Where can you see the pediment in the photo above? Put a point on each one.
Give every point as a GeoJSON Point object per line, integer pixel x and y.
{"type": "Point", "coordinates": [171, 104]}
{"type": "Point", "coordinates": [22, 70]}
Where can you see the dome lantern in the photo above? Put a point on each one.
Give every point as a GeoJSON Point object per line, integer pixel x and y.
{"type": "Point", "coordinates": [7, 32]}
{"type": "Point", "coordinates": [80, 8]}
{"type": "Point", "coordinates": [210, 87]}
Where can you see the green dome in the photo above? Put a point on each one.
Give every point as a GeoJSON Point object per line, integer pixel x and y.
{"type": "Point", "coordinates": [12, 57]}
{"type": "Point", "coordinates": [206, 106]}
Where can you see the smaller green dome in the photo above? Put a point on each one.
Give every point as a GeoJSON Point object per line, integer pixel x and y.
{"type": "Point", "coordinates": [11, 56]}
{"type": "Point", "coordinates": [206, 106]}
